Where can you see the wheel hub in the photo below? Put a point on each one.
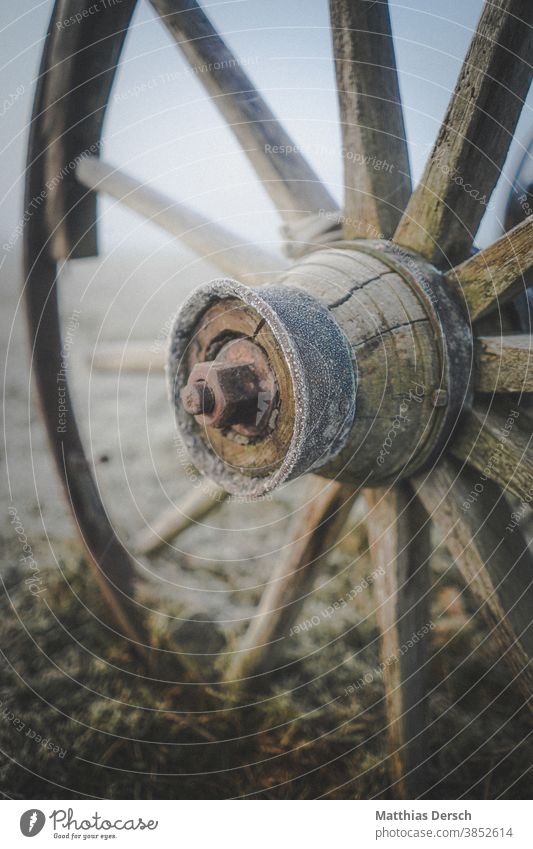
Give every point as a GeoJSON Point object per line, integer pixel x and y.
{"type": "Point", "coordinates": [356, 366]}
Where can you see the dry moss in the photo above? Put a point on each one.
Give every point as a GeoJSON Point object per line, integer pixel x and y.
{"type": "Point", "coordinates": [296, 736]}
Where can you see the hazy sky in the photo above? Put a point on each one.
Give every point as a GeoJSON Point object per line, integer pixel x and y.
{"type": "Point", "coordinates": [170, 134]}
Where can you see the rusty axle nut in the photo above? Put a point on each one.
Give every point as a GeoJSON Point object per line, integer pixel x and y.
{"type": "Point", "coordinates": [197, 398]}
{"type": "Point", "coordinates": [221, 394]}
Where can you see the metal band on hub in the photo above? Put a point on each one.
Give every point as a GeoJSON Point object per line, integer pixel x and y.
{"type": "Point", "coordinates": [312, 411]}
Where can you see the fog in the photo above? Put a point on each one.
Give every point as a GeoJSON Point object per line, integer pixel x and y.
{"type": "Point", "coordinates": [162, 128]}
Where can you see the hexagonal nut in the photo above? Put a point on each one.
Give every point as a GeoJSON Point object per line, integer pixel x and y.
{"type": "Point", "coordinates": [235, 389]}
{"type": "Point", "coordinates": [197, 398]}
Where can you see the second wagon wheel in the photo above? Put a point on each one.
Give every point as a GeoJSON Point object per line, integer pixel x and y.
{"type": "Point", "coordinates": [381, 359]}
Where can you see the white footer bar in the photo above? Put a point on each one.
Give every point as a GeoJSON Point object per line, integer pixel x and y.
{"type": "Point", "coordinates": [256, 825]}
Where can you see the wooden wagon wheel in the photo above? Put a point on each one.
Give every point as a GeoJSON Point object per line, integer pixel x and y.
{"type": "Point", "coordinates": [382, 359]}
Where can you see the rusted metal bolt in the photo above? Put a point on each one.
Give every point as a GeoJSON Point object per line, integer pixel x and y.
{"type": "Point", "coordinates": [221, 394]}
{"type": "Point", "coordinates": [197, 398]}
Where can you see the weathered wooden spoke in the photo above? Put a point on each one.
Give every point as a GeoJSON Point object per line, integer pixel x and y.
{"type": "Point", "coordinates": [376, 162]}
{"type": "Point", "coordinates": [496, 274]}
{"type": "Point", "coordinates": [497, 566]}
{"type": "Point", "coordinates": [290, 181]}
{"type": "Point", "coordinates": [444, 212]}
{"type": "Point", "coordinates": [313, 537]}
{"type": "Point", "coordinates": [176, 519]}
{"type": "Point", "coordinates": [499, 445]}
{"type": "Point", "coordinates": [400, 549]}
{"type": "Point", "coordinates": [134, 358]}
{"type": "Point", "coordinates": [504, 363]}
{"type": "Point", "coordinates": [220, 246]}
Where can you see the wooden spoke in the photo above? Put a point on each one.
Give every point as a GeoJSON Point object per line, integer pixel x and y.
{"type": "Point", "coordinates": [444, 212]}
{"type": "Point", "coordinates": [496, 564]}
{"type": "Point", "coordinates": [398, 530]}
{"type": "Point", "coordinates": [376, 162]}
{"type": "Point", "coordinates": [504, 363]}
{"type": "Point", "coordinates": [290, 181]}
{"type": "Point", "coordinates": [495, 274]}
{"type": "Point", "coordinates": [499, 445]}
{"type": "Point", "coordinates": [172, 522]}
{"type": "Point", "coordinates": [313, 538]}
{"type": "Point", "coordinates": [248, 263]}
{"type": "Point", "coordinates": [136, 358]}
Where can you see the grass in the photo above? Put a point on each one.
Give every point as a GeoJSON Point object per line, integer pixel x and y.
{"type": "Point", "coordinates": [67, 679]}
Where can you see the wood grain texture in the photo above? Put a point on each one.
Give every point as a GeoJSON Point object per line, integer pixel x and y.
{"type": "Point", "coordinates": [395, 356]}
{"type": "Point", "coordinates": [398, 530]}
{"type": "Point", "coordinates": [499, 444]}
{"type": "Point", "coordinates": [313, 536]}
{"type": "Point", "coordinates": [504, 363]}
{"type": "Point", "coordinates": [377, 176]}
{"type": "Point", "coordinates": [496, 565]}
{"type": "Point", "coordinates": [292, 184]}
{"type": "Point", "coordinates": [176, 519]}
{"type": "Point", "coordinates": [495, 274]}
{"type": "Point", "coordinates": [445, 210]}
